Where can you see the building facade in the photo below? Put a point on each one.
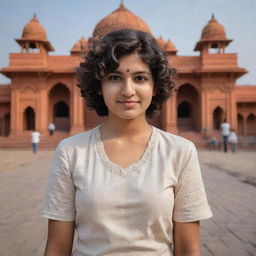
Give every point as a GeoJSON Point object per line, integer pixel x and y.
{"type": "Point", "coordinates": [43, 87]}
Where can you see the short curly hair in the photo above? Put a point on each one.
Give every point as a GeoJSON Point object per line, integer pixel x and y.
{"type": "Point", "coordinates": [103, 58]}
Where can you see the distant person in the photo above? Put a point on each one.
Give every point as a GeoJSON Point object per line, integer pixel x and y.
{"type": "Point", "coordinates": [225, 131]}
{"type": "Point", "coordinates": [232, 139]}
{"type": "Point", "coordinates": [35, 139]}
{"type": "Point", "coordinates": [214, 143]}
{"type": "Point", "coordinates": [51, 128]}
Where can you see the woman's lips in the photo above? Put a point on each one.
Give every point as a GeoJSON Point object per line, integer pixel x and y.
{"type": "Point", "coordinates": [127, 103]}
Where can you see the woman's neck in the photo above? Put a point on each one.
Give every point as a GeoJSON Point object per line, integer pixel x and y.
{"type": "Point", "coordinates": [126, 128]}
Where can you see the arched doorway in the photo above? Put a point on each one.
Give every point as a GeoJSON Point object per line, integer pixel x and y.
{"type": "Point", "coordinates": [251, 124]}
{"type": "Point", "coordinates": [6, 124]}
{"type": "Point", "coordinates": [217, 118]}
{"type": "Point", "coordinates": [59, 107]}
{"type": "Point", "coordinates": [185, 121]}
{"type": "Point", "coordinates": [240, 124]}
{"type": "Point", "coordinates": [188, 114]}
{"type": "Point", "coordinates": [61, 116]}
{"type": "Point", "coordinates": [184, 110]}
{"type": "Point", "coordinates": [29, 119]}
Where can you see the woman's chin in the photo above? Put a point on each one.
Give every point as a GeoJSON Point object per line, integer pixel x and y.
{"type": "Point", "coordinates": [129, 116]}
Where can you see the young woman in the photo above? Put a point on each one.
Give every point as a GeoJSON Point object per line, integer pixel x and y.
{"type": "Point", "coordinates": [126, 187]}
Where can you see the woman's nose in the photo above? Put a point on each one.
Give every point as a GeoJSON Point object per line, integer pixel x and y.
{"type": "Point", "coordinates": [128, 88]}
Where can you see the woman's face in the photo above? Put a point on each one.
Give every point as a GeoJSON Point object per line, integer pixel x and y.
{"type": "Point", "coordinates": [128, 91]}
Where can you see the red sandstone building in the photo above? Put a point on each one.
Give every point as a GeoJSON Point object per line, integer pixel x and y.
{"type": "Point", "coordinates": [43, 87]}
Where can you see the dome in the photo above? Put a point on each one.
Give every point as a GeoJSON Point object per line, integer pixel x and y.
{"type": "Point", "coordinates": [119, 19]}
{"type": "Point", "coordinates": [170, 47]}
{"type": "Point", "coordinates": [161, 42]}
{"type": "Point", "coordinates": [34, 30]}
{"type": "Point", "coordinates": [80, 45]}
{"type": "Point", "coordinates": [76, 47]}
{"type": "Point", "coordinates": [213, 31]}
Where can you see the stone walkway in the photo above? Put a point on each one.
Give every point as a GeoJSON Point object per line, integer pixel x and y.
{"type": "Point", "coordinates": [231, 232]}
{"type": "Point", "coordinates": [22, 230]}
{"type": "Point", "coordinates": [13, 158]}
{"type": "Point", "coordinates": [241, 164]}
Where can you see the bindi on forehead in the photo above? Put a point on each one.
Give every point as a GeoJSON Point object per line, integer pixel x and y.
{"type": "Point", "coordinates": [127, 70]}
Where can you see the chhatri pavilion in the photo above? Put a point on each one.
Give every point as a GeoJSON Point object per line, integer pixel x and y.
{"type": "Point", "coordinates": [43, 86]}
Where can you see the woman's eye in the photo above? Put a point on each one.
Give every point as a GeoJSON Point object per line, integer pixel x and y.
{"type": "Point", "coordinates": [140, 78]}
{"type": "Point", "coordinates": [114, 78]}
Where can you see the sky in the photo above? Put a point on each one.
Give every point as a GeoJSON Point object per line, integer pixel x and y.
{"type": "Point", "coordinates": [182, 21]}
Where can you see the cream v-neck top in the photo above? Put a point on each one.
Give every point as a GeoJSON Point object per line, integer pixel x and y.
{"type": "Point", "coordinates": [125, 211]}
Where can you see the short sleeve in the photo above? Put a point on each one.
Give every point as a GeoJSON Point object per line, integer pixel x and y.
{"type": "Point", "coordinates": [190, 198]}
{"type": "Point", "coordinates": [60, 191]}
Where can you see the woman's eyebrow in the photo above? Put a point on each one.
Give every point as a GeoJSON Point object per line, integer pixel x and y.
{"type": "Point", "coordinates": [116, 72]}
{"type": "Point", "coordinates": [142, 72]}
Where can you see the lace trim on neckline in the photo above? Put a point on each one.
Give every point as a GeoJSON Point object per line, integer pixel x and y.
{"type": "Point", "coordinates": [115, 168]}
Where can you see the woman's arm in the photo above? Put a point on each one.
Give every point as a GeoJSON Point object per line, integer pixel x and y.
{"type": "Point", "coordinates": [186, 238]}
{"type": "Point", "coordinates": [60, 238]}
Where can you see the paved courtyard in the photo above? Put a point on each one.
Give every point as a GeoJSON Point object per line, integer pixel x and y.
{"type": "Point", "coordinates": [231, 232]}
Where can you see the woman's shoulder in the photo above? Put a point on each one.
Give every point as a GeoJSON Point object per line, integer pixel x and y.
{"type": "Point", "coordinates": [175, 147]}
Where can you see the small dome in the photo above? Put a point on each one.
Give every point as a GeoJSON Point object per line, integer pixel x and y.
{"type": "Point", "coordinates": [34, 30]}
{"type": "Point", "coordinates": [80, 45]}
{"type": "Point", "coordinates": [161, 42]}
{"type": "Point", "coordinates": [76, 47]}
{"type": "Point", "coordinates": [119, 19]}
{"type": "Point", "coordinates": [170, 47]}
{"type": "Point", "coordinates": [213, 31]}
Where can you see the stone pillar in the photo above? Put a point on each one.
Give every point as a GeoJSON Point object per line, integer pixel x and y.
{"type": "Point", "coordinates": [77, 112]}
{"type": "Point", "coordinates": [204, 110]}
{"type": "Point", "coordinates": [42, 113]}
{"type": "Point", "coordinates": [16, 115]}
{"type": "Point", "coordinates": [233, 109]}
{"type": "Point", "coordinates": [169, 114]}
{"type": "Point", "coordinates": [206, 114]}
